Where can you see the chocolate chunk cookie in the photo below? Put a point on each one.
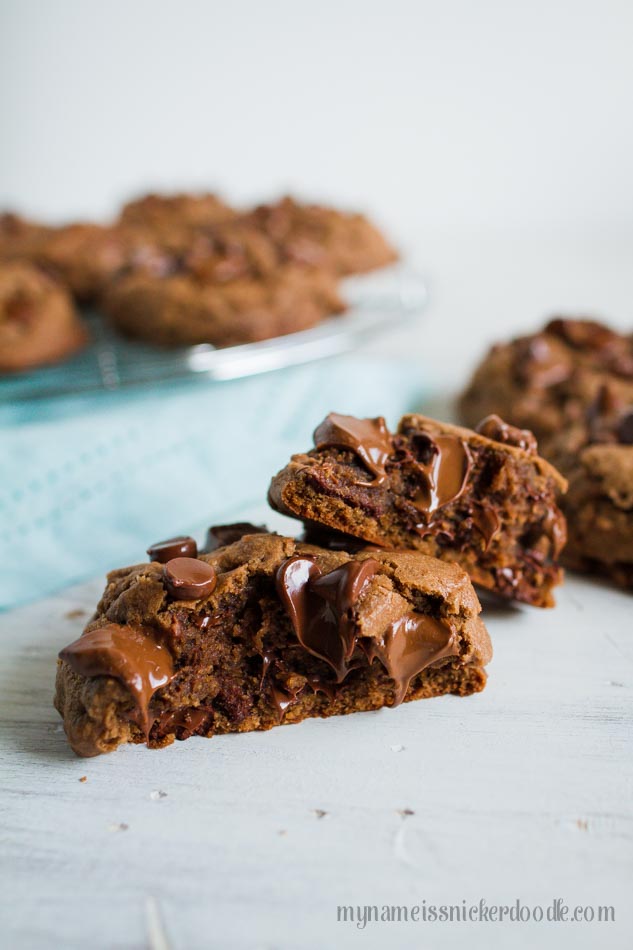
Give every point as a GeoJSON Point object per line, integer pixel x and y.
{"type": "Point", "coordinates": [547, 380]}
{"type": "Point", "coordinates": [183, 269]}
{"type": "Point", "coordinates": [484, 500]}
{"type": "Point", "coordinates": [84, 257]}
{"type": "Point", "coordinates": [38, 323]}
{"type": "Point", "coordinates": [572, 383]}
{"type": "Point", "coordinates": [19, 237]}
{"type": "Point", "coordinates": [264, 631]}
{"type": "Point", "coordinates": [230, 285]}
{"type": "Point", "coordinates": [342, 242]}
{"type": "Point", "coordinates": [161, 212]}
{"type": "Point", "coordinates": [596, 455]}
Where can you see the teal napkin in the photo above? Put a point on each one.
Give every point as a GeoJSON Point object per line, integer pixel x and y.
{"type": "Point", "coordinates": [87, 482]}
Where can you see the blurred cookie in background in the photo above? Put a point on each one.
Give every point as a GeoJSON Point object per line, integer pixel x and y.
{"type": "Point", "coordinates": [163, 211]}
{"type": "Point", "coordinates": [572, 384]}
{"type": "Point", "coordinates": [38, 322]}
{"type": "Point", "coordinates": [182, 269]}
{"type": "Point", "coordinates": [546, 380]}
{"type": "Point", "coordinates": [183, 309]}
{"type": "Point", "coordinates": [20, 238]}
{"type": "Point", "coordinates": [344, 242]}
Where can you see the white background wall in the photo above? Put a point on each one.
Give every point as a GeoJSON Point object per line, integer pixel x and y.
{"type": "Point", "coordinates": [462, 114]}
{"type": "Point", "coordinates": [494, 138]}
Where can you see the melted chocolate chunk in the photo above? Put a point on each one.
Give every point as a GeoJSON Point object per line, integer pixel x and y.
{"type": "Point", "coordinates": [444, 463]}
{"type": "Point", "coordinates": [129, 654]}
{"type": "Point", "coordinates": [369, 439]}
{"type": "Point", "coordinates": [219, 535]}
{"type": "Point", "coordinates": [493, 427]}
{"type": "Point", "coordinates": [184, 722]}
{"type": "Point", "coordinates": [321, 609]}
{"type": "Point", "coordinates": [163, 551]}
{"type": "Point", "coordinates": [486, 520]}
{"type": "Point", "coordinates": [283, 699]}
{"type": "Point", "coordinates": [187, 578]}
{"type": "Point", "coordinates": [320, 606]}
{"type": "Point", "coordinates": [409, 645]}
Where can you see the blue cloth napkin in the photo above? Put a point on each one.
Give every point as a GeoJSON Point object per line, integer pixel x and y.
{"type": "Point", "coordinates": [87, 482]}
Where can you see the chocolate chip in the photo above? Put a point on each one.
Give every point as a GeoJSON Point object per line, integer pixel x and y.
{"type": "Point", "coordinates": [187, 578]}
{"type": "Point", "coordinates": [625, 429]}
{"type": "Point", "coordinates": [492, 427]}
{"type": "Point", "coordinates": [369, 439]}
{"type": "Point", "coordinates": [182, 546]}
{"type": "Point", "coordinates": [219, 535]}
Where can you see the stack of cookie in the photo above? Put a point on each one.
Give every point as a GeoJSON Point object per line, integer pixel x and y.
{"type": "Point", "coordinates": [178, 270]}
{"type": "Point", "coordinates": [374, 605]}
{"type": "Point", "coordinates": [571, 383]}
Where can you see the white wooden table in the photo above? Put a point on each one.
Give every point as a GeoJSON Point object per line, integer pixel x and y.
{"type": "Point", "coordinates": [252, 841]}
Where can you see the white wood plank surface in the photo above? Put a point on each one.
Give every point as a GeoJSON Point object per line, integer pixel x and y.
{"type": "Point", "coordinates": [252, 841]}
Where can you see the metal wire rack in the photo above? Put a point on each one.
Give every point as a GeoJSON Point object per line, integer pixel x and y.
{"type": "Point", "coordinates": [378, 303]}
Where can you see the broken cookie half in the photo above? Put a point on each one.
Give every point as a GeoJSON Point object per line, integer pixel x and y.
{"type": "Point", "coordinates": [263, 631]}
{"type": "Point", "coordinates": [483, 499]}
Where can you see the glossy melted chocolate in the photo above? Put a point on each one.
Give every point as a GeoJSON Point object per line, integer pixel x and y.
{"type": "Point", "coordinates": [410, 645]}
{"type": "Point", "coordinates": [321, 609]}
{"type": "Point", "coordinates": [187, 578]}
{"type": "Point", "coordinates": [182, 546]}
{"type": "Point", "coordinates": [487, 522]}
{"type": "Point", "coordinates": [129, 654]}
{"type": "Point", "coordinates": [320, 606]}
{"type": "Point", "coordinates": [444, 470]}
{"type": "Point", "coordinates": [369, 439]}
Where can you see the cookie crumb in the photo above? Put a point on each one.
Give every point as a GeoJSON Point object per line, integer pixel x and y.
{"type": "Point", "coordinates": [319, 813]}
{"type": "Point", "coordinates": [74, 614]}
{"type": "Point", "coordinates": [84, 778]}
{"type": "Point", "coordinates": [405, 812]}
